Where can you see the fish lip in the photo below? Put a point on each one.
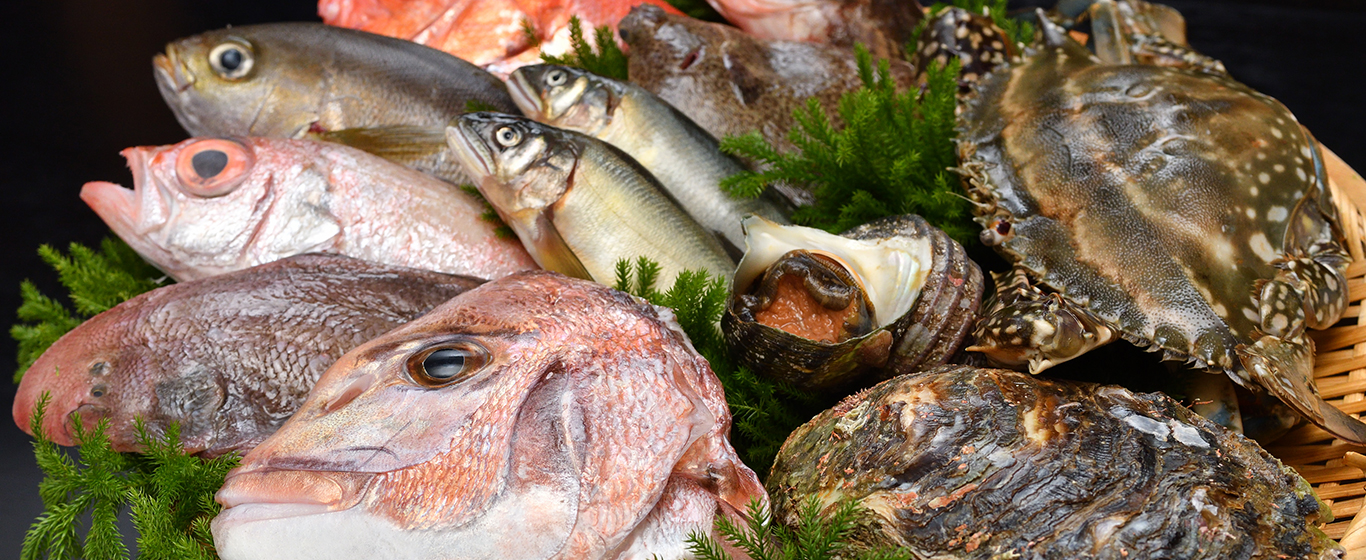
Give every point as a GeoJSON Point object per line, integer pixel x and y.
{"type": "Point", "coordinates": [169, 73]}
{"type": "Point", "coordinates": [519, 88]}
{"type": "Point", "coordinates": [307, 491]}
{"type": "Point", "coordinates": [473, 155]}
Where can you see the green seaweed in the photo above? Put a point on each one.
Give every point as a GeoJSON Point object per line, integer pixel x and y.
{"type": "Point", "coordinates": [698, 9]}
{"type": "Point", "coordinates": [816, 536]}
{"type": "Point", "coordinates": [169, 494]}
{"type": "Point", "coordinates": [96, 281]}
{"type": "Point", "coordinates": [1019, 31]}
{"type": "Point", "coordinates": [892, 156]}
{"type": "Point", "coordinates": [607, 60]}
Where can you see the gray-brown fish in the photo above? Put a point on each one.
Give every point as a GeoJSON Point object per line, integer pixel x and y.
{"type": "Point", "coordinates": [536, 416]}
{"type": "Point", "coordinates": [687, 161]}
{"type": "Point", "coordinates": [980, 464]}
{"type": "Point", "coordinates": [293, 79]}
{"type": "Point", "coordinates": [578, 204]}
{"type": "Point", "coordinates": [731, 83]}
{"type": "Point", "coordinates": [884, 26]}
{"type": "Point", "coordinates": [229, 358]}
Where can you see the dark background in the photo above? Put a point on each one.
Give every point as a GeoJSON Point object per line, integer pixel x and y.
{"type": "Point", "coordinates": [78, 88]}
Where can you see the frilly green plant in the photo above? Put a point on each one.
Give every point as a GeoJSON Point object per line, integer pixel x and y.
{"type": "Point", "coordinates": [96, 281]}
{"type": "Point", "coordinates": [891, 157]}
{"type": "Point", "coordinates": [1019, 31]}
{"type": "Point", "coordinates": [170, 495]}
{"type": "Point", "coordinates": [816, 536]}
{"type": "Point", "coordinates": [607, 60]}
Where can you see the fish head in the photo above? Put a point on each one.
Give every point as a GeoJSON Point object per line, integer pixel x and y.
{"type": "Point", "coordinates": [492, 424]}
{"type": "Point", "coordinates": [566, 97]}
{"type": "Point", "coordinates": [237, 82]}
{"type": "Point", "coordinates": [521, 166]}
{"type": "Point", "coordinates": [197, 208]}
{"type": "Point", "coordinates": [671, 45]}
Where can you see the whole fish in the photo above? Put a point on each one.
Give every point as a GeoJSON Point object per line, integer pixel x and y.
{"type": "Point", "coordinates": [687, 161]}
{"type": "Point", "coordinates": [489, 33]}
{"type": "Point", "coordinates": [578, 204]}
{"type": "Point", "coordinates": [228, 358]}
{"type": "Point", "coordinates": [208, 206]}
{"type": "Point", "coordinates": [884, 26]}
{"type": "Point", "coordinates": [295, 79]}
{"type": "Point", "coordinates": [730, 83]}
{"type": "Point", "coordinates": [536, 416]}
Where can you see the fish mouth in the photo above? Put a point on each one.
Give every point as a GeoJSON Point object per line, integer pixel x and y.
{"type": "Point", "coordinates": [469, 149]}
{"type": "Point", "coordinates": [274, 493]}
{"type": "Point", "coordinates": [523, 94]}
{"type": "Point", "coordinates": [169, 73]}
{"type": "Point", "coordinates": [137, 212]}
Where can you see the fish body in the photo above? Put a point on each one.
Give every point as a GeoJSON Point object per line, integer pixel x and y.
{"type": "Point", "coordinates": [536, 416]}
{"type": "Point", "coordinates": [228, 358]}
{"type": "Point", "coordinates": [686, 159]}
{"type": "Point", "coordinates": [730, 83]}
{"type": "Point", "coordinates": [884, 26]}
{"type": "Point", "coordinates": [208, 206]}
{"type": "Point", "coordinates": [578, 204]}
{"type": "Point", "coordinates": [293, 79]}
{"type": "Point", "coordinates": [488, 33]}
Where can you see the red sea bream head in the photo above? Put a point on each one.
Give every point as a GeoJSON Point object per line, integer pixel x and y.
{"type": "Point", "coordinates": [536, 416]}
{"type": "Point", "coordinates": [207, 206]}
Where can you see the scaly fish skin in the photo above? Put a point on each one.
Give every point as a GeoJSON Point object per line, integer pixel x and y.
{"type": "Point", "coordinates": [884, 26]}
{"type": "Point", "coordinates": [228, 358]}
{"type": "Point", "coordinates": [536, 416]}
{"type": "Point", "coordinates": [209, 206]}
{"type": "Point", "coordinates": [488, 33]}
{"type": "Point", "coordinates": [730, 83]}
{"type": "Point", "coordinates": [292, 79]}
{"type": "Point", "coordinates": [686, 159]}
{"type": "Point", "coordinates": [578, 204]}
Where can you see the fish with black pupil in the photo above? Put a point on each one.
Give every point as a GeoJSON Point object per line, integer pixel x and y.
{"type": "Point", "coordinates": [444, 364]}
{"type": "Point", "coordinates": [209, 163]}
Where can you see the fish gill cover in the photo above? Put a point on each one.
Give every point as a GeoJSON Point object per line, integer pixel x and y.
{"type": "Point", "coordinates": [171, 493]}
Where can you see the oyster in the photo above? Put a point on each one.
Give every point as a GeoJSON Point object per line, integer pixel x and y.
{"type": "Point", "coordinates": [1175, 208]}
{"type": "Point", "coordinates": [817, 310]}
{"type": "Point", "coordinates": [986, 464]}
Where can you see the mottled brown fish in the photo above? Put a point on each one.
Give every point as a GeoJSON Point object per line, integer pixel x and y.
{"type": "Point", "coordinates": [978, 464]}
{"type": "Point", "coordinates": [207, 206]}
{"type": "Point", "coordinates": [884, 26]}
{"type": "Point", "coordinates": [731, 83]}
{"type": "Point", "coordinates": [536, 416]}
{"type": "Point", "coordinates": [228, 358]}
{"type": "Point", "coordinates": [293, 79]}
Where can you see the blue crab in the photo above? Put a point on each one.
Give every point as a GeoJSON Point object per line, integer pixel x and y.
{"type": "Point", "coordinates": [1172, 207]}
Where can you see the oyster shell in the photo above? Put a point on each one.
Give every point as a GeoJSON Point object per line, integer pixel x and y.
{"type": "Point", "coordinates": [980, 463]}
{"type": "Point", "coordinates": [818, 310]}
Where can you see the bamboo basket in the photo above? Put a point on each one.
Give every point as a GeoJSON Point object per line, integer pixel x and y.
{"type": "Point", "coordinates": [1338, 469]}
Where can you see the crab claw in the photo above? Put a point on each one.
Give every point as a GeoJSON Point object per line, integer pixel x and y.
{"type": "Point", "coordinates": [1284, 366]}
{"type": "Point", "coordinates": [1043, 333]}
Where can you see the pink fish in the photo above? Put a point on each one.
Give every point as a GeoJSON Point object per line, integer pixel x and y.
{"type": "Point", "coordinates": [536, 416]}
{"type": "Point", "coordinates": [487, 33]}
{"type": "Point", "coordinates": [208, 206]}
{"type": "Point", "coordinates": [884, 26]}
{"type": "Point", "coordinates": [228, 358]}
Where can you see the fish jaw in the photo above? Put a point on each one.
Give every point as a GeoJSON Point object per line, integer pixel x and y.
{"type": "Point", "coordinates": [525, 94]}
{"type": "Point", "coordinates": [136, 214]}
{"type": "Point", "coordinates": [176, 83]}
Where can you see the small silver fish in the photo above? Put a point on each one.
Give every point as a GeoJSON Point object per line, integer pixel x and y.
{"type": "Point", "coordinates": [578, 204]}
{"type": "Point", "coordinates": [686, 159]}
{"type": "Point", "coordinates": [536, 416]}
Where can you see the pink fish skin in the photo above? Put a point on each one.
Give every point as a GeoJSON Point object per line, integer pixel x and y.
{"type": "Point", "coordinates": [562, 419]}
{"type": "Point", "coordinates": [208, 206]}
{"type": "Point", "coordinates": [228, 358]}
{"type": "Point", "coordinates": [487, 33]}
{"type": "Point", "coordinates": [883, 26]}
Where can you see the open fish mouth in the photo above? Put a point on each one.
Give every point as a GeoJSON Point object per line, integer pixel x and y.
{"type": "Point", "coordinates": [169, 73]}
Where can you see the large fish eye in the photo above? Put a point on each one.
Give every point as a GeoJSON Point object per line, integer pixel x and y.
{"type": "Point", "coordinates": [556, 77]}
{"type": "Point", "coordinates": [508, 136]}
{"type": "Point", "coordinates": [232, 59]}
{"type": "Point", "coordinates": [212, 167]}
{"type": "Point", "coordinates": [447, 363]}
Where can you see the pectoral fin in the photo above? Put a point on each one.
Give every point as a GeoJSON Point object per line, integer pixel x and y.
{"type": "Point", "coordinates": [395, 143]}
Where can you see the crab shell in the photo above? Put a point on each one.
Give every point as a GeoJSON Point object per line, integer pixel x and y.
{"type": "Point", "coordinates": [1181, 209]}
{"type": "Point", "coordinates": [926, 299]}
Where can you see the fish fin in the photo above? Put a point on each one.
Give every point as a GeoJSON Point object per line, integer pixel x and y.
{"type": "Point", "coordinates": [552, 252]}
{"type": "Point", "coordinates": [398, 143]}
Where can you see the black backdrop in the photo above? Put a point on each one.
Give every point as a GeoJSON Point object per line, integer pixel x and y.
{"type": "Point", "coordinates": [77, 88]}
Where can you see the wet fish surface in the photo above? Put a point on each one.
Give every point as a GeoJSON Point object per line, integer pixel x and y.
{"type": "Point", "coordinates": [686, 159]}
{"type": "Point", "coordinates": [488, 33]}
{"type": "Point", "coordinates": [208, 206]}
{"type": "Point", "coordinates": [536, 416]}
{"type": "Point", "coordinates": [228, 358]}
{"type": "Point", "coordinates": [578, 204]}
{"type": "Point", "coordinates": [731, 83]}
{"type": "Point", "coordinates": [294, 79]}
{"type": "Point", "coordinates": [973, 463]}
{"type": "Point", "coordinates": [884, 26]}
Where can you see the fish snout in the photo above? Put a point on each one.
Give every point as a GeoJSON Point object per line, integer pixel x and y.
{"type": "Point", "coordinates": [170, 72]}
{"type": "Point", "coordinates": [311, 490]}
